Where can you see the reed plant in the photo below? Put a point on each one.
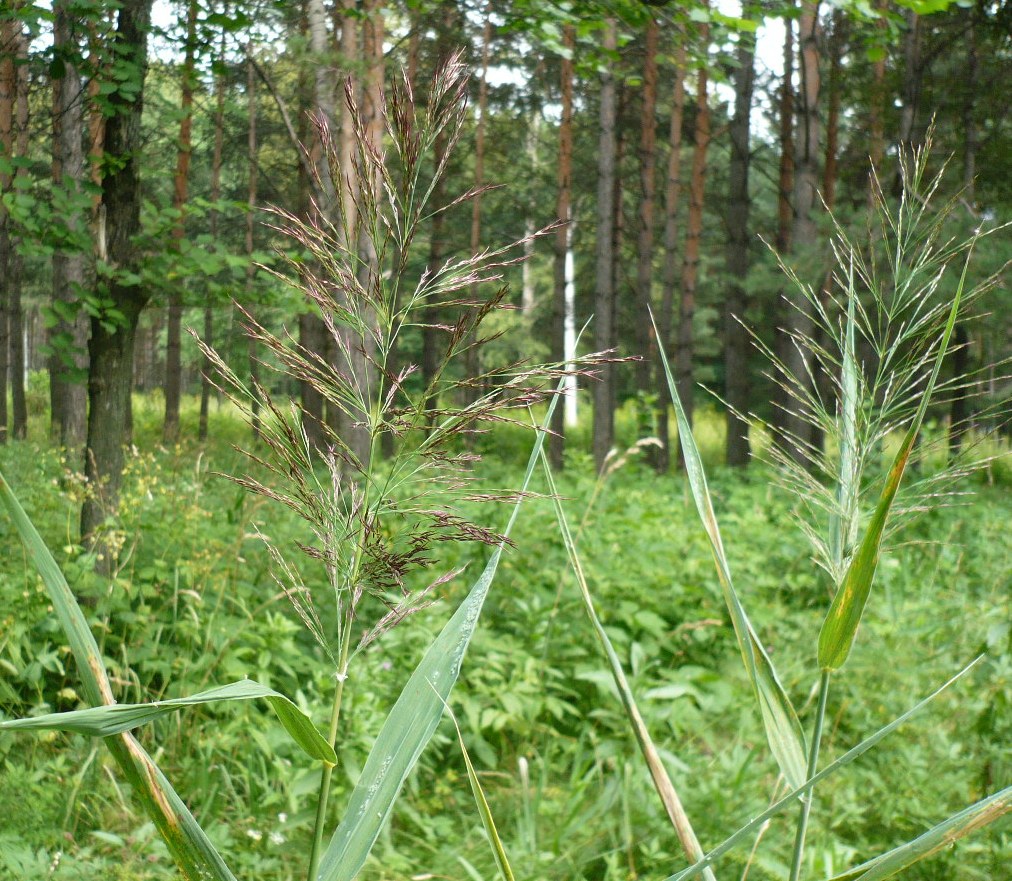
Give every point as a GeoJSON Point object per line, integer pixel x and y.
{"type": "Point", "coordinates": [378, 484]}
{"type": "Point", "coordinates": [381, 484]}
{"type": "Point", "coordinates": [872, 364]}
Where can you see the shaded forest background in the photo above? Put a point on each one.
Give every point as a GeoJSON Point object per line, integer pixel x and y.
{"type": "Point", "coordinates": [138, 156]}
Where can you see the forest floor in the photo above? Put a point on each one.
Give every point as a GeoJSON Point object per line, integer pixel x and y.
{"type": "Point", "coordinates": [193, 604]}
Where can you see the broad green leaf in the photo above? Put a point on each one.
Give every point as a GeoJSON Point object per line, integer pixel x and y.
{"type": "Point", "coordinates": [938, 838]}
{"type": "Point", "coordinates": [840, 627]}
{"type": "Point", "coordinates": [783, 730]}
{"type": "Point", "coordinates": [114, 718]}
{"type": "Point", "coordinates": [484, 811]}
{"type": "Point", "coordinates": [190, 847]}
{"type": "Point", "coordinates": [412, 720]}
{"type": "Point", "coordinates": [753, 826]}
{"type": "Point", "coordinates": [658, 773]}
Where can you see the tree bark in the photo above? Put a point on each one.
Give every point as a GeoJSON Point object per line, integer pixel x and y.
{"type": "Point", "coordinates": [876, 109]}
{"type": "Point", "coordinates": [911, 90]}
{"type": "Point", "coordinates": [251, 207]}
{"type": "Point", "coordinates": [564, 213]}
{"type": "Point", "coordinates": [472, 357]}
{"type": "Point", "coordinates": [363, 350]}
{"type": "Point", "coordinates": [684, 373]}
{"type": "Point", "coordinates": [216, 156]}
{"type": "Point", "coordinates": [804, 233]}
{"type": "Point", "coordinates": [604, 286]}
{"type": "Point", "coordinates": [830, 171]}
{"type": "Point", "coordinates": [68, 337]}
{"type": "Point", "coordinates": [174, 317]}
{"type": "Point", "coordinates": [111, 346]}
{"type": "Point", "coordinates": [785, 211]}
{"type": "Point", "coordinates": [672, 203]}
{"type": "Point", "coordinates": [10, 41]}
{"type": "Point", "coordinates": [959, 410]}
{"type": "Point", "coordinates": [736, 382]}
{"type": "Point", "coordinates": [645, 342]}
{"type": "Point", "coordinates": [19, 411]}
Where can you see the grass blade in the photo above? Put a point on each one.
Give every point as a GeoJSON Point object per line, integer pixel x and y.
{"type": "Point", "coordinates": [190, 847]}
{"type": "Point", "coordinates": [658, 773]}
{"type": "Point", "coordinates": [840, 627]}
{"type": "Point", "coordinates": [938, 838]}
{"type": "Point", "coordinates": [484, 811]}
{"type": "Point", "coordinates": [791, 798]}
{"type": "Point", "coordinates": [115, 718]}
{"type": "Point", "coordinates": [783, 730]}
{"type": "Point", "coordinates": [412, 720]}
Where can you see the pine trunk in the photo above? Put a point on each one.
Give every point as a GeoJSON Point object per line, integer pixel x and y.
{"type": "Point", "coordinates": [604, 286]}
{"type": "Point", "coordinates": [564, 213]}
{"type": "Point", "coordinates": [684, 374]}
{"type": "Point", "coordinates": [672, 203]}
{"type": "Point", "coordinates": [472, 357]}
{"type": "Point", "coordinates": [736, 340]}
{"type": "Point", "coordinates": [10, 39]}
{"type": "Point", "coordinates": [68, 338]}
{"type": "Point", "coordinates": [174, 317]}
{"type": "Point", "coordinates": [251, 207]}
{"type": "Point", "coordinates": [216, 157]}
{"type": "Point", "coordinates": [804, 234]}
{"type": "Point", "coordinates": [959, 412]}
{"type": "Point", "coordinates": [645, 342]}
{"type": "Point", "coordinates": [111, 348]}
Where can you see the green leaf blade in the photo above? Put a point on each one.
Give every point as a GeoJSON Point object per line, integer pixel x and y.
{"type": "Point", "coordinates": [110, 719]}
{"type": "Point", "coordinates": [780, 720]}
{"type": "Point", "coordinates": [939, 837]}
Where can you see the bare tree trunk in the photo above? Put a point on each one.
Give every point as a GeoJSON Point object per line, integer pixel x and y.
{"type": "Point", "coordinates": [10, 41]}
{"type": "Point", "coordinates": [251, 207]}
{"type": "Point", "coordinates": [174, 317]}
{"type": "Point", "coordinates": [68, 339]}
{"type": "Point", "coordinates": [684, 374]}
{"type": "Point", "coordinates": [645, 342]}
{"type": "Point", "coordinates": [735, 336]}
{"type": "Point", "coordinates": [472, 360]}
{"type": "Point", "coordinates": [433, 314]}
{"type": "Point", "coordinates": [830, 171]}
{"type": "Point", "coordinates": [111, 348]}
{"type": "Point", "coordinates": [672, 203]}
{"type": "Point", "coordinates": [318, 99]}
{"type": "Point", "coordinates": [911, 89]}
{"type": "Point", "coordinates": [785, 189]}
{"type": "Point", "coordinates": [363, 352]}
{"type": "Point", "coordinates": [785, 221]}
{"type": "Point", "coordinates": [216, 156]}
{"type": "Point", "coordinates": [959, 412]}
{"type": "Point", "coordinates": [804, 233]}
{"type": "Point", "coordinates": [604, 414]}
{"type": "Point", "coordinates": [876, 109]}
{"type": "Point", "coordinates": [564, 213]}
{"type": "Point", "coordinates": [19, 411]}
{"type": "Point", "coordinates": [527, 291]}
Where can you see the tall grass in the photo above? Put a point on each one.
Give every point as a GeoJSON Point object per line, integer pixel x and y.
{"type": "Point", "coordinates": [369, 518]}
{"type": "Point", "coordinates": [901, 297]}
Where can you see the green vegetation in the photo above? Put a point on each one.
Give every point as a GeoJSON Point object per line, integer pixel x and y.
{"type": "Point", "coordinates": [194, 604]}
